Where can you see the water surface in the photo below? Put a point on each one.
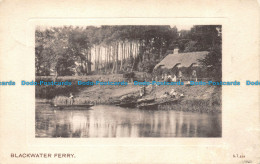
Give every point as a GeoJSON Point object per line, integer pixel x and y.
{"type": "Point", "coordinates": [114, 121]}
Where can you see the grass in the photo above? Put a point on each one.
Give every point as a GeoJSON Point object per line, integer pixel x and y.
{"type": "Point", "coordinates": [49, 91]}
{"type": "Point", "coordinates": [197, 98]}
{"type": "Point", "coordinates": [196, 105]}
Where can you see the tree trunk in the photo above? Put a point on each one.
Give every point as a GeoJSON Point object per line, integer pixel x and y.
{"type": "Point", "coordinates": [116, 56]}
{"type": "Point", "coordinates": [113, 58]}
{"type": "Point", "coordinates": [105, 66]}
{"type": "Point", "coordinates": [96, 58]}
{"type": "Point", "coordinates": [128, 47]}
{"type": "Point", "coordinates": [109, 56]}
{"type": "Point", "coordinates": [89, 61]}
{"type": "Point", "coordinates": [121, 65]}
{"type": "Point", "coordinates": [124, 56]}
{"type": "Point", "coordinates": [99, 59]}
{"type": "Point", "coordinates": [131, 49]}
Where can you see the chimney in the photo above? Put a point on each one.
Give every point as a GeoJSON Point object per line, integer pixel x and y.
{"type": "Point", "coordinates": [176, 51]}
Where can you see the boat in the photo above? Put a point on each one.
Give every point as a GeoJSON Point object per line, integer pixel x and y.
{"type": "Point", "coordinates": [148, 106]}
{"type": "Point", "coordinates": [149, 103]}
{"type": "Point", "coordinates": [145, 100]}
{"type": "Point", "coordinates": [78, 106]}
{"type": "Point", "coordinates": [155, 104]}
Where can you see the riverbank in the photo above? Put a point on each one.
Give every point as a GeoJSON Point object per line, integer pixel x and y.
{"type": "Point", "coordinates": [196, 98]}
{"type": "Point", "coordinates": [51, 91]}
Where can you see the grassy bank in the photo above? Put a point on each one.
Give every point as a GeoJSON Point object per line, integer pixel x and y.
{"type": "Point", "coordinates": [51, 91]}
{"type": "Point", "coordinates": [196, 98]}
{"type": "Point", "coordinates": [195, 105]}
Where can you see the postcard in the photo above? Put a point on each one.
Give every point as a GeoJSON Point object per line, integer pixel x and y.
{"type": "Point", "coordinates": [129, 81]}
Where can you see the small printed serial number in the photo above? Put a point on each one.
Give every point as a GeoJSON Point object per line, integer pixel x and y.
{"type": "Point", "coordinates": [239, 156]}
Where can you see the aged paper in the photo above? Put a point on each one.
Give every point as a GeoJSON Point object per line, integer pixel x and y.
{"type": "Point", "coordinates": [21, 141]}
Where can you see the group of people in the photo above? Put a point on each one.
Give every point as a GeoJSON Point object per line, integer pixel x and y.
{"type": "Point", "coordinates": [169, 78]}
{"type": "Point", "coordinates": [172, 94]}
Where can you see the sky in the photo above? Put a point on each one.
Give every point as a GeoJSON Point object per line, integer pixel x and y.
{"type": "Point", "coordinates": [179, 27]}
{"type": "Point", "coordinates": [183, 27]}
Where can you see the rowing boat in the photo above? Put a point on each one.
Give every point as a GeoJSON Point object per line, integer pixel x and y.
{"type": "Point", "coordinates": [81, 106]}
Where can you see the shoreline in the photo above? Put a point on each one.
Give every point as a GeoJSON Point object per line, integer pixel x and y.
{"type": "Point", "coordinates": [206, 99]}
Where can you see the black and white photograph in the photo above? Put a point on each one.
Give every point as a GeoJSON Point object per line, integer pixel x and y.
{"type": "Point", "coordinates": [114, 82]}
{"type": "Point", "coordinates": [128, 81]}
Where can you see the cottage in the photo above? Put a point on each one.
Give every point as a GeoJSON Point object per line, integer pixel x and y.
{"type": "Point", "coordinates": [185, 66]}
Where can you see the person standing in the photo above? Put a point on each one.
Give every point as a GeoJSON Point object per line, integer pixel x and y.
{"type": "Point", "coordinates": [180, 75]}
{"type": "Point", "coordinates": [71, 99]}
{"type": "Point", "coordinates": [174, 79]}
{"type": "Point", "coordinates": [194, 75]}
{"type": "Point", "coordinates": [142, 91]}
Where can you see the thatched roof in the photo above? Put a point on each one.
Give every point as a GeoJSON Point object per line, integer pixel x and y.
{"type": "Point", "coordinates": [184, 59]}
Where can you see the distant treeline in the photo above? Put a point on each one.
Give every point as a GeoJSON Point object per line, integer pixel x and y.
{"type": "Point", "coordinates": [71, 50]}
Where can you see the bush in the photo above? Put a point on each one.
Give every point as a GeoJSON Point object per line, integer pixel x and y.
{"type": "Point", "coordinates": [50, 91]}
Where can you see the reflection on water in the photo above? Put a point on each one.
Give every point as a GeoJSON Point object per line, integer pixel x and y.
{"type": "Point", "coordinates": [113, 121]}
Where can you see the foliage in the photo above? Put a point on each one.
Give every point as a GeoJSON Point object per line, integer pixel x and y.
{"type": "Point", "coordinates": [213, 43]}
{"type": "Point", "coordinates": [213, 62]}
{"type": "Point", "coordinates": [70, 50]}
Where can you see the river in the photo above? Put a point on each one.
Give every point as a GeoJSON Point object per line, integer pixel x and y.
{"type": "Point", "coordinates": [114, 121]}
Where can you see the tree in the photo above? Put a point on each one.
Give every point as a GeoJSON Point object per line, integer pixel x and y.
{"type": "Point", "coordinates": [114, 48]}
{"type": "Point", "coordinates": [213, 61]}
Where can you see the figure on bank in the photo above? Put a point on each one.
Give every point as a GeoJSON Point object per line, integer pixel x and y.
{"type": "Point", "coordinates": [142, 91]}
{"type": "Point", "coordinates": [71, 99]}
{"type": "Point", "coordinates": [194, 75]}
